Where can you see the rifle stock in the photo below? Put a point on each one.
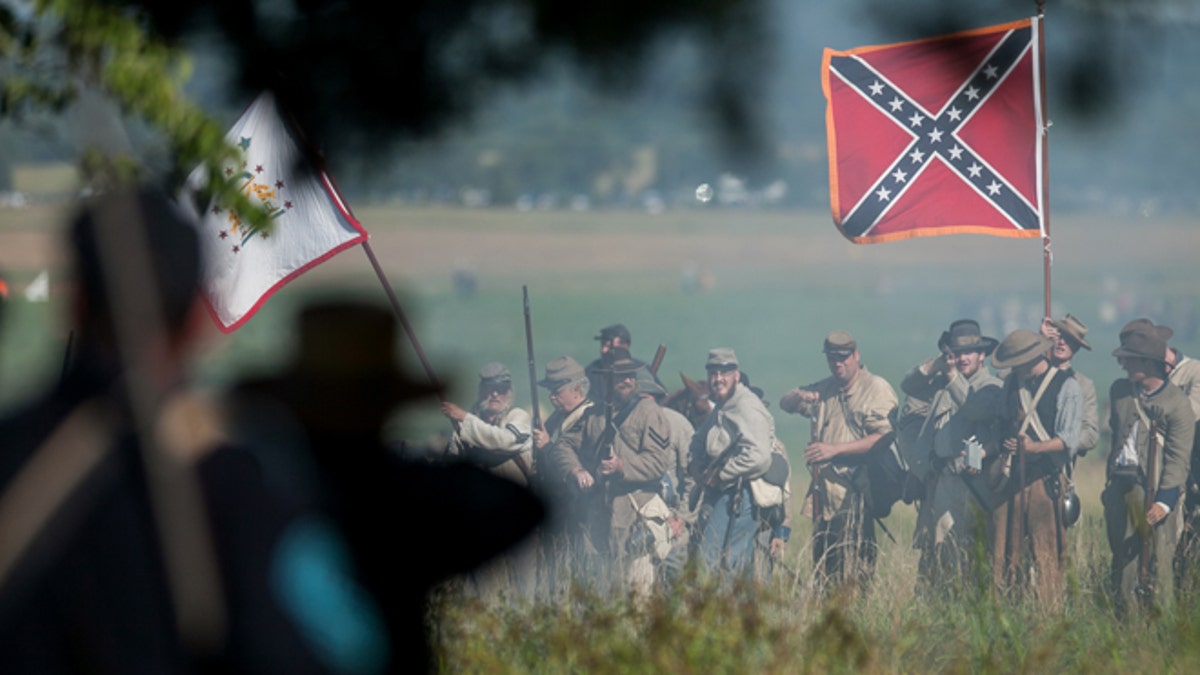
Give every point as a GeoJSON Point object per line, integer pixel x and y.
{"type": "Point", "coordinates": [709, 477]}
{"type": "Point", "coordinates": [818, 491]}
{"type": "Point", "coordinates": [658, 359]}
{"type": "Point", "coordinates": [1145, 570]}
{"type": "Point", "coordinates": [536, 423]}
{"type": "Point", "coordinates": [533, 397]}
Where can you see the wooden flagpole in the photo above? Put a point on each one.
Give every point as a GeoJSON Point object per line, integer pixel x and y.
{"type": "Point", "coordinates": [318, 162]}
{"type": "Point", "coordinates": [1047, 252]}
{"type": "Point", "coordinates": [404, 323]}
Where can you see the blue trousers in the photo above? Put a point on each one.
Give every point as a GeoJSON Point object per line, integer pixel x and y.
{"type": "Point", "coordinates": [727, 540]}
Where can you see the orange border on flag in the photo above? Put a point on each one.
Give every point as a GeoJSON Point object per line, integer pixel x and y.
{"type": "Point", "coordinates": [831, 145]}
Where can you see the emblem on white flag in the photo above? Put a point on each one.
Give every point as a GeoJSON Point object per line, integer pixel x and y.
{"type": "Point", "coordinates": [243, 265]}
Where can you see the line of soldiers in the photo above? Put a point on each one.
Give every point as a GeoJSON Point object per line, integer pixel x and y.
{"type": "Point", "coordinates": [634, 489]}
{"type": "Point", "coordinates": [987, 458]}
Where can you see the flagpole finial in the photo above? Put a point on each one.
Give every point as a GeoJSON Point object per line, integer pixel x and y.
{"type": "Point", "coordinates": [1041, 7]}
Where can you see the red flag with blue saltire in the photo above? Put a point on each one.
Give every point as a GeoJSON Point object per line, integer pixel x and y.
{"type": "Point", "coordinates": [937, 136]}
{"type": "Point", "coordinates": [243, 266]}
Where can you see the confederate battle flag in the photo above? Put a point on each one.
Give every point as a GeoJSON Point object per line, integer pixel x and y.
{"type": "Point", "coordinates": [310, 222]}
{"type": "Point", "coordinates": [937, 136]}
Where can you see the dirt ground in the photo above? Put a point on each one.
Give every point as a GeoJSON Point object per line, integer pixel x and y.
{"type": "Point", "coordinates": [420, 242]}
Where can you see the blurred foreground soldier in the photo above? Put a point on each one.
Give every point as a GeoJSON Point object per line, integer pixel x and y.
{"type": "Point", "coordinates": [851, 411]}
{"type": "Point", "coordinates": [1153, 427]}
{"type": "Point", "coordinates": [407, 525]}
{"type": "Point", "coordinates": [1042, 416]}
{"type": "Point", "coordinates": [617, 464]}
{"type": "Point", "coordinates": [569, 387]}
{"type": "Point", "coordinates": [730, 449]}
{"type": "Point", "coordinates": [964, 401]}
{"type": "Point", "coordinates": [134, 539]}
{"type": "Point", "coordinates": [496, 436]}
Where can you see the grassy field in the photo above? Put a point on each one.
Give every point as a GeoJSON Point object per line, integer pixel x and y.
{"type": "Point", "coordinates": [771, 286]}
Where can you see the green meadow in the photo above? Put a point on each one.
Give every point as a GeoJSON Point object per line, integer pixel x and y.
{"type": "Point", "coordinates": [770, 285]}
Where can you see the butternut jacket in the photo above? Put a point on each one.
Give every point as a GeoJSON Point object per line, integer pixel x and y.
{"type": "Point", "coordinates": [1169, 410]}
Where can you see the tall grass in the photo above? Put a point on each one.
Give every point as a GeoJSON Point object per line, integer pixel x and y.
{"type": "Point", "coordinates": [781, 626]}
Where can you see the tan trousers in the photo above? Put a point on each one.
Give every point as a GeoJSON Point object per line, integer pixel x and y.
{"type": "Point", "coordinates": [1027, 544]}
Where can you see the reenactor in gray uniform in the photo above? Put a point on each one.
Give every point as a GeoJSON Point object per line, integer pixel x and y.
{"type": "Point", "coordinates": [965, 399]}
{"type": "Point", "coordinates": [730, 449]}
{"type": "Point", "coordinates": [569, 388]}
{"type": "Point", "coordinates": [1153, 427]}
{"type": "Point", "coordinates": [496, 436]}
{"type": "Point", "coordinates": [851, 411]}
{"type": "Point", "coordinates": [617, 463]}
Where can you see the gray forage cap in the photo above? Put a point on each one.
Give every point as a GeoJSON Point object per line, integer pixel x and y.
{"type": "Point", "coordinates": [494, 373]}
{"type": "Point", "coordinates": [721, 357]}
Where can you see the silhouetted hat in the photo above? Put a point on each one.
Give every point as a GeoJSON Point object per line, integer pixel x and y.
{"type": "Point", "coordinates": [1142, 343]}
{"type": "Point", "coordinates": [1072, 328]}
{"type": "Point", "coordinates": [964, 336]}
{"type": "Point", "coordinates": [613, 331]}
{"type": "Point", "coordinates": [840, 343]}
{"type": "Point", "coordinates": [721, 358]}
{"type": "Point", "coordinates": [1143, 323]}
{"type": "Point", "coordinates": [344, 368]}
{"type": "Point", "coordinates": [560, 371]}
{"type": "Point", "coordinates": [1019, 348]}
{"type": "Point", "coordinates": [494, 374]}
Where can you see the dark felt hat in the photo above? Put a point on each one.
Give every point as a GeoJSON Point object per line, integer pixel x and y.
{"type": "Point", "coordinates": [1142, 343]}
{"type": "Point", "coordinates": [624, 367]}
{"type": "Point", "coordinates": [614, 331]}
{"type": "Point", "coordinates": [1146, 324]}
{"type": "Point", "coordinates": [964, 336]}
{"type": "Point", "coordinates": [344, 370]}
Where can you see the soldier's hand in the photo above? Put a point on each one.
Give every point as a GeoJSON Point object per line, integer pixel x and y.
{"type": "Point", "coordinates": [1156, 514]}
{"type": "Point", "coordinates": [818, 452]}
{"type": "Point", "coordinates": [612, 466]}
{"type": "Point", "coordinates": [795, 398]}
{"type": "Point", "coordinates": [1048, 329]}
{"type": "Point", "coordinates": [678, 527]}
{"type": "Point", "coordinates": [540, 438]}
{"type": "Point", "coordinates": [453, 412]}
{"type": "Point", "coordinates": [583, 479]}
{"type": "Point", "coordinates": [1010, 444]}
{"type": "Point", "coordinates": [778, 546]}
{"type": "Point", "coordinates": [949, 367]}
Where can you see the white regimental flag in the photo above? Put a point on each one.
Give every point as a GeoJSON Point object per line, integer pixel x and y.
{"type": "Point", "coordinates": [243, 266]}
